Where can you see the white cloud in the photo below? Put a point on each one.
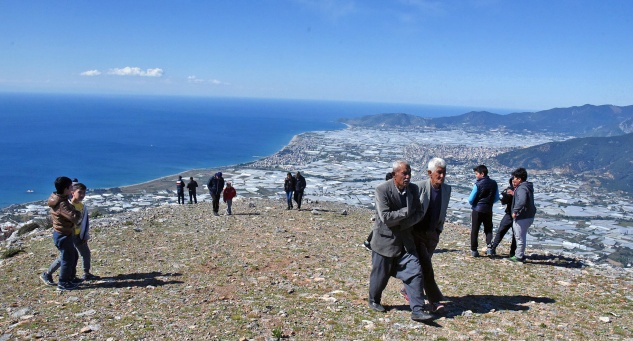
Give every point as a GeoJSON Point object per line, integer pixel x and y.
{"type": "Point", "coordinates": [136, 71]}
{"type": "Point", "coordinates": [196, 80]}
{"type": "Point", "coordinates": [91, 73]}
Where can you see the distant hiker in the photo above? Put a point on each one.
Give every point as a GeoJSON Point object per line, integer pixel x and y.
{"type": "Point", "coordinates": [505, 224]}
{"type": "Point", "coordinates": [367, 243]}
{"type": "Point", "coordinates": [228, 195]}
{"type": "Point", "coordinates": [484, 194]}
{"type": "Point", "coordinates": [393, 249]}
{"type": "Point", "coordinates": [216, 186]}
{"type": "Point", "coordinates": [434, 198]}
{"type": "Point", "coordinates": [180, 190]}
{"type": "Point", "coordinates": [64, 217]}
{"type": "Point", "coordinates": [289, 188]}
{"type": "Point", "coordinates": [81, 235]}
{"type": "Point", "coordinates": [300, 185]}
{"type": "Point", "coordinates": [192, 185]}
{"type": "Point", "coordinates": [523, 211]}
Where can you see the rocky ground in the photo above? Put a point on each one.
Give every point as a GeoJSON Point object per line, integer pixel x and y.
{"type": "Point", "coordinates": [266, 273]}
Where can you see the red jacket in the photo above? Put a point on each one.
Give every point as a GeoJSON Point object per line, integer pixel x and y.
{"type": "Point", "coordinates": [229, 193]}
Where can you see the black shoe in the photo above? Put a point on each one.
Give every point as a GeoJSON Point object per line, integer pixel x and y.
{"type": "Point", "coordinates": [377, 307]}
{"type": "Point", "coordinates": [367, 245]}
{"type": "Point", "coordinates": [77, 280]}
{"type": "Point", "coordinates": [90, 277]}
{"type": "Point", "coordinates": [47, 278]}
{"type": "Point", "coordinates": [421, 316]}
{"type": "Point", "coordinates": [63, 286]}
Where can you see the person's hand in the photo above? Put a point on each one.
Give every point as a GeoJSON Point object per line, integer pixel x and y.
{"type": "Point", "coordinates": [514, 216]}
{"type": "Point", "coordinates": [511, 192]}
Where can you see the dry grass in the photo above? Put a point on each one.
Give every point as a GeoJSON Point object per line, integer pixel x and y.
{"type": "Point", "coordinates": [178, 272]}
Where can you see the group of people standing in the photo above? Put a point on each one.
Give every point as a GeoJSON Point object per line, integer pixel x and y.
{"type": "Point", "coordinates": [216, 188]}
{"type": "Point", "coordinates": [294, 187]}
{"type": "Point", "coordinates": [519, 213]}
{"type": "Point", "coordinates": [409, 220]}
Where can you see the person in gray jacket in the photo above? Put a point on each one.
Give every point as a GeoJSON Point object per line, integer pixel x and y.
{"type": "Point", "coordinates": [523, 211]}
{"type": "Point", "coordinates": [394, 254]}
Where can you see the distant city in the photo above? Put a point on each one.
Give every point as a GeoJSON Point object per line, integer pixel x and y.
{"type": "Point", "coordinates": [346, 165]}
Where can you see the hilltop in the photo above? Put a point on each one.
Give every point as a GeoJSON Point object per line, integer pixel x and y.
{"type": "Point", "coordinates": [177, 272]}
{"type": "Point", "coordinates": [581, 121]}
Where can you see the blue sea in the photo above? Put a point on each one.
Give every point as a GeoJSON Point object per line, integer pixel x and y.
{"type": "Point", "coordinates": [110, 141]}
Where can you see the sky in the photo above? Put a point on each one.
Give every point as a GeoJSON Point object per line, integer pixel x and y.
{"type": "Point", "coordinates": [533, 55]}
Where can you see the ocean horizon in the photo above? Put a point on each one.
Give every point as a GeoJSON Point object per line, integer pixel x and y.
{"type": "Point", "coordinates": [112, 141]}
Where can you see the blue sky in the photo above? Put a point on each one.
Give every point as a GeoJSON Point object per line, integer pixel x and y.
{"type": "Point", "coordinates": [483, 53]}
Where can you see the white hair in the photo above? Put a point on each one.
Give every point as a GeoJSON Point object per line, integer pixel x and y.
{"type": "Point", "coordinates": [396, 165]}
{"type": "Point", "coordinates": [436, 162]}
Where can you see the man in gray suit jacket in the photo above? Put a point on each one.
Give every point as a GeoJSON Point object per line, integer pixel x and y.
{"type": "Point", "coordinates": [393, 249]}
{"type": "Point", "coordinates": [434, 197]}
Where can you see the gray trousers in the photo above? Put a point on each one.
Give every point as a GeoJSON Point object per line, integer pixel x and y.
{"type": "Point", "coordinates": [405, 268]}
{"type": "Point", "coordinates": [520, 228]}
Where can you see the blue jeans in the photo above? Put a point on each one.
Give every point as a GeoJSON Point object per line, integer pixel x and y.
{"type": "Point", "coordinates": [289, 198]}
{"type": "Point", "coordinates": [68, 256]}
{"type": "Point", "coordinates": [84, 252]}
{"type": "Point", "coordinates": [229, 203]}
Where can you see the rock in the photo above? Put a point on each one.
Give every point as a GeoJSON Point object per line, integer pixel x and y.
{"type": "Point", "coordinates": [604, 319]}
{"type": "Point", "coordinates": [86, 329]}
{"type": "Point", "coordinates": [344, 212]}
{"type": "Point", "coordinates": [20, 312]}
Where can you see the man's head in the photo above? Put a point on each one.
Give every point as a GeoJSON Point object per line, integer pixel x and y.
{"type": "Point", "coordinates": [480, 171]}
{"type": "Point", "coordinates": [401, 174]}
{"type": "Point", "coordinates": [437, 171]}
{"type": "Point", "coordinates": [63, 185]}
{"type": "Point", "coordinates": [519, 175]}
{"type": "Point", "coordinates": [191, 178]}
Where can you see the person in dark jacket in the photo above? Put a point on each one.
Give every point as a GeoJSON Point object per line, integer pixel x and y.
{"type": "Point", "coordinates": [484, 194]}
{"type": "Point", "coordinates": [180, 190]}
{"type": "Point", "coordinates": [216, 186]}
{"type": "Point", "coordinates": [191, 186]}
{"type": "Point", "coordinates": [523, 211]}
{"type": "Point", "coordinates": [300, 185]}
{"type": "Point", "coordinates": [506, 222]}
{"type": "Point", "coordinates": [289, 188]}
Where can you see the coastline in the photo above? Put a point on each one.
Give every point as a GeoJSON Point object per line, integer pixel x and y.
{"type": "Point", "coordinates": [346, 165]}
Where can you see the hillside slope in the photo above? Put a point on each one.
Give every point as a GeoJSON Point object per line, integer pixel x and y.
{"type": "Point", "coordinates": [606, 159]}
{"type": "Point", "coordinates": [177, 272]}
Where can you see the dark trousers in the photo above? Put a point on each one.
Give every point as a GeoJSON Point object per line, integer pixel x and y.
{"type": "Point", "coordinates": [504, 226]}
{"type": "Point", "coordinates": [425, 244]}
{"type": "Point", "coordinates": [215, 198]}
{"type": "Point", "coordinates": [192, 197]}
{"type": "Point", "coordinates": [479, 218]}
{"type": "Point", "coordinates": [181, 197]}
{"type": "Point", "coordinates": [68, 256]}
{"type": "Point", "coordinates": [405, 268]}
{"type": "Point", "coordinates": [298, 198]}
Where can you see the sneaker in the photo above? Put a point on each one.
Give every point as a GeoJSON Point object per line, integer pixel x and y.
{"type": "Point", "coordinates": [421, 316]}
{"type": "Point", "coordinates": [516, 259]}
{"type": "Point", "coordinates": [474, 253]}
{"type": "Point", "coordinates": [404, 294]}
{"type": "Point", "coordinates": [77, 280]}
{"type": "Point", "coordinates": [63, 286]}
{"type": "Point", "coordinates": [47, 278]}
{"type": "Point", "coordinates": [367, 245]}
{"type": "Point", "coordinates": [90, 277]}
{"type": "Point", "coordinates": [436, 307]}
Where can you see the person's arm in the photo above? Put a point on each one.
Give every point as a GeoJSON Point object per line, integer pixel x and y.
{"type": "Point", "coordinates": [385, 214]}
{"type": "Point", "coordinates": [520, 200]}
{"type": "Point", "coordinates": [473, 194]}
{"type": "Point", "coordinates": [68, 211]}
{"type": "Point", "coordinates": [496, 194]}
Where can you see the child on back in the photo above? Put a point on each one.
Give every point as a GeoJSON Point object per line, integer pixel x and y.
{"type": "Point", "coordinates": [80, 239]}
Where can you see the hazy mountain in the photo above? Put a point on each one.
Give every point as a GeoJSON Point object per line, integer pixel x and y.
{"type": "Point", "coordinates": [606, 159]}
{"type": "Point", "coordinates": [583, 121]}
